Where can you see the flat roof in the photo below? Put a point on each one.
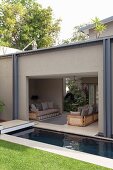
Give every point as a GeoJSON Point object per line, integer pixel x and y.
{"type": "Point", "coordinates": [59, 47]}
{"type": "Point", "coordinates": [7, 50]}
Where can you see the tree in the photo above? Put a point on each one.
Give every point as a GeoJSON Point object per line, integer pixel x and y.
{"type": "Point", "coordinates": [75, 88]}
{"type": "Point", "coordinates": [22, 21]}
{"type": "Point", "coordinates": [98, 26]}
{"type": "Point", "coordinates": [77, 35]}
{"type": "Point", "coordinates": [75, 97]}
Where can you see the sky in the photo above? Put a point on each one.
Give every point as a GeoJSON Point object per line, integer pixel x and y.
{"type": "Point", "coordinates": [76, 12]}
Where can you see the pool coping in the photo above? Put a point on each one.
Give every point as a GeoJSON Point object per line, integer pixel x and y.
{"type": "Point", "coordinates": [69, 132]}
{"type": "Point", "coordinates": [1, 127]}
{"type": "Point", "coordinates": [82, 156]}
{"type": "Point", "coordinates": [17, 127]}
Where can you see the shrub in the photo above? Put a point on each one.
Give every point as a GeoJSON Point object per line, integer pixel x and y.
{"type": "Point", "coordinates": [75, 97]}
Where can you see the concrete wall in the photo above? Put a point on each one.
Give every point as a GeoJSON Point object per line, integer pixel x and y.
{"type": "Point", "coordinates": [47, 90]}
{"type": "Point", "coordinates": [6, 87]}
{"type": "Point", "coordinates": [107, 32]}
{"type": "Point", "coordinates": [83, 60]}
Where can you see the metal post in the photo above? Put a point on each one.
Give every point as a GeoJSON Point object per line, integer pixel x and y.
{"type": "Point", "coordinates": [15, 86]}
{"type": "Point", "coordinates": [107, 87]}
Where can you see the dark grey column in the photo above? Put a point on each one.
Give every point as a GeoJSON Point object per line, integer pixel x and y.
{"type": "Point", "coordinates": [15, 87]}
{"type": "Point", "coordinates": [107, 87]}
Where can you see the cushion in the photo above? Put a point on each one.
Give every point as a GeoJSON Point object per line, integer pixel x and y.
{"type": "Point", "coordinates": [53, 110]}
{"type": "Point", "coordinates": [85, 110]}
{"type": "Point", "coordinates": [75, 113]}
{"type": "Point", "coordinates": [50, 105]}
{"type": "Point", "coordinates": [33, 108]}
{"type": "Point", "coordinates": [38, 106]}
{"type": "Point", "coordinates": [43, 112]}
{"type": "Point", "coordinates": [48, 111]}
{"type": "Point", "coordinates": [44, 105]}
{"type": "Point", "coordinates": [90, 110]}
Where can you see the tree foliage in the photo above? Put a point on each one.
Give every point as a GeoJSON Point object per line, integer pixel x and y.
{"type": "Point", "coordinates": [76, 89]}
{"type": "Point", "coordinates": [75, 97]}
{"type": "Point", "coordinates": [77, 36]}
{"type": "Point", "coordinates": [22, 21]}
{"type": "Point", "coordinates": [98, 26]}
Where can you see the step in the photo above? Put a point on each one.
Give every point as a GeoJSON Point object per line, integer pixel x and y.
{"type": "Point", "coordinates": [14, 125]}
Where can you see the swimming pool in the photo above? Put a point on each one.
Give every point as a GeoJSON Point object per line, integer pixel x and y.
{"type": "Point", "coordinates": [70, 141]}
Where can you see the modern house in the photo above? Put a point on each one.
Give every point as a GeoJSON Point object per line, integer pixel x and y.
{"type": "Point", "coordinates": [43, 72]}
{"type": "Point", "coordinates": [89, 29]}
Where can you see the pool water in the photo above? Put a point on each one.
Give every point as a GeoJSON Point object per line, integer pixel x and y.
{"type": "Point", "coordinates": [71, 141]}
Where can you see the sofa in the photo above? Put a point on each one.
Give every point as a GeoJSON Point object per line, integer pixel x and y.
{"type": "Point", "coordinates": [43, 110]}
{"type": "Point", "coordinates": [84, 116]}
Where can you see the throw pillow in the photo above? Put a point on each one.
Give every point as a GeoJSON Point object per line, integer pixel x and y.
{"type": "Point", "coordinates": [33, 108]}
{"type": "Point", "coordinates": [50, 105]}
{"type": "Point", "coordinates": [39, 106]}
{"type": "Point", "coordinates": [44, 106]}
{"type": "Point", "coordinates": [85, 111]}
{"type": "Point", "coordinates": [90, 110]}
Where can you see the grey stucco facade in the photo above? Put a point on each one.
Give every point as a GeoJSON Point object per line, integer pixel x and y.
{"type": "Point", "coordinates": [91, 58]}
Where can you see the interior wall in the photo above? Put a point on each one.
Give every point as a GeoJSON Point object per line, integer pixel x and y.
{"type": "Point", "coordinates": [47, 90]}
{"type": "Point", "coordinates": [6, 87]}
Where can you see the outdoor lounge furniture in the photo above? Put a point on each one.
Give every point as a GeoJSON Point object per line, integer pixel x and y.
{"type": "Point", "coordinates": [44, 111]}
{"type": "Point", "coordinates": [82, 118]}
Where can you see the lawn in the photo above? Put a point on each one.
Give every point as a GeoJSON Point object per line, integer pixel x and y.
{"type": "Point", "coordinates": [18, 157]}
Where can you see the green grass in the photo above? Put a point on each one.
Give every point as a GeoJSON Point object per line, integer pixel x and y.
{"type": "Point", "coordinates": [18, 157]}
